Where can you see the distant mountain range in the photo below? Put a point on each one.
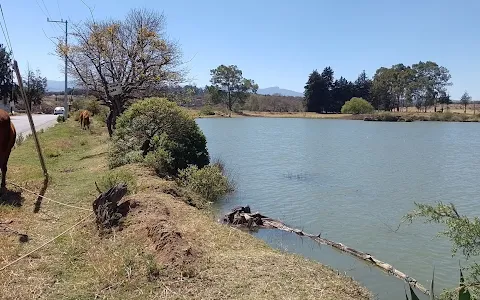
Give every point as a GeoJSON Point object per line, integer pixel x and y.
{"type": "Point", "coordinates": [58, 86]}
{"type": "Point", "coordinates": [277, 90]}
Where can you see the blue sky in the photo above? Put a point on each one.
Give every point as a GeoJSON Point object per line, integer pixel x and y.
{"type": "Point", "coordinates": [278, 43]}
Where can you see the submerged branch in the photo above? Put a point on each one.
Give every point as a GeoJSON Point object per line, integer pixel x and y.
{"type": "Point", "coordinates": [243, 217]}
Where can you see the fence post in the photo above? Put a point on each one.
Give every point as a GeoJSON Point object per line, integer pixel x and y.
{"type": "Point", "coordinates": [30, 120]}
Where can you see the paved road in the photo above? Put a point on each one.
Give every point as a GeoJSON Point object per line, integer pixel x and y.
{"type": "Point", "coordinates": [41, 122]}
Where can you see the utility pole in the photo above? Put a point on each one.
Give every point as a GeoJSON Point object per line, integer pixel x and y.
{"type": "Point", "coordinates": [65, 99]}
{"type": "Point", "coordinates": [30, 120]}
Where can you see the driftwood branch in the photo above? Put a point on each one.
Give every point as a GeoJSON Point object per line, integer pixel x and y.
{"type": "Point", "coordinates": [243, 217]}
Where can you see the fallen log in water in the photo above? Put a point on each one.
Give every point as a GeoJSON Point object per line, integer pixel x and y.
{"type": "Point", "coordinates": [243, 217]}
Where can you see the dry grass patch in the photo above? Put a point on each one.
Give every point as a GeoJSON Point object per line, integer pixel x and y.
{"type": "Point", "coordinates": [166, 250]}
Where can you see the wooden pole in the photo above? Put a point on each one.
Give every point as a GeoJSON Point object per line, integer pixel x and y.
{"type": "Point", "coordinates": [30, 120]}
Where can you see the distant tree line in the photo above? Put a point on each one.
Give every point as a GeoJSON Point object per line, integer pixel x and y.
{"type": "Point", "coordinates": [273, 103]}
{"type": "Point", "coordinates": [396, 88]}
{"type": "Point", "coordinates": [33, 83]}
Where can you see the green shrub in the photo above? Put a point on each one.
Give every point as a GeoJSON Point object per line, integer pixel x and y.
{"type": "Point", "coordinates": [357, 106]}
{"type": "Point", "coordinates": [93, 106]}
{"type": "Point", "coordinates": [446, 116]}
{"type": "Point", "coordinates": [112, 178]}
{"type": "Point", "coordinates": [60, 119]}
{"type": "Point", "coordinates": [157, 132]}
{"type": "Point", "coordinates": [209, 182]}
{"type": "Point", "coordinates": [79, 104]}
{"type": "Point", "coordinates": [387, 117]}
{"type": "Point", "coordinates": [464, 117]}
{"type": "Point", "coordinates": [207, 110]}
{"type": "Point", "coordinates": [102, 115]}
{"type": "Point", "coordinates": [237, 108]}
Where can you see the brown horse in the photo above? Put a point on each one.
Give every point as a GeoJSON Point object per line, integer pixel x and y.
{"type": "Point", "coordinates": [8, 136]}
{"type": "Point", "coordinates": [85, 119]}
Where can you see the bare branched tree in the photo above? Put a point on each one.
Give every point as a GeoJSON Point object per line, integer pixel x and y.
{"type": "Point", "coordinates": [134, 52]}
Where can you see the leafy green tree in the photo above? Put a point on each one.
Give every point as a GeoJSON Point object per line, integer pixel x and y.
{"type": "Point", "coordinates": [343, 90]}
{"type": "Point", "coordinates": [422, 84]}
{"type": "Point", "coordinates": [35, 86]}
{"type": "Point", "coordinates": [313, 93]}
{"type": "Point", "coordinates": [319, 91]}
{"type": "Point", "coordinates": [464, 234]}
{"type": "Point", "coordinates": [7, 85]}
{"type": "Point", "coordinates": [400, 76]}
{"type": "Point", "coordinates": [465, 100]}
{"type": "Point", "coordinates": [363, 86]}
{"type": "Point", "coordinates": [357, 106]}
{"type": "Point", "coordinates": [229, 87]}
{"type": "Point", "coordinates": [382, 89]}
{"type": "Point", "coordinates": [444, 99]}
{"type": "Point", "coordinates": [433, 79]}
{"type": "Point", "coordinates": [133, 51]}
{"type": "Point", "coordinates": [329, 84]}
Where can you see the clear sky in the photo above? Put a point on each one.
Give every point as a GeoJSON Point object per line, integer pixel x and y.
{"type": "Point", "coordinates": [279, 42]}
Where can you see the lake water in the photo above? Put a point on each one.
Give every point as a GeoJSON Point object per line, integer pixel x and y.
{"type": "Point", "coordinates": [352, 181]}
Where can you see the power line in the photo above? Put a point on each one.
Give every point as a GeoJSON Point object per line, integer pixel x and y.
{"type": "Point", "coordinates": [39, 6]}
{"type": "Point", "coordinates": [5, 36]}
{"type": "Point", "coordinates": [59, 10]}
{"type": "Point", "coordinates": [47, 14]}
{"type": "Point", "coordinates": [6, 29]}
{"type": "Point", "coordinates": [46, 9]}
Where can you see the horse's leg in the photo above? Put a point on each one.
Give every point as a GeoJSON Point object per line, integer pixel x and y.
{"type": "Point", "coordinates": [3, 188]}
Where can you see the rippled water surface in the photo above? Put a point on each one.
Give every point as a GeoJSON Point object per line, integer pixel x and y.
{"type": "Point", "coordinates": [352, 181]}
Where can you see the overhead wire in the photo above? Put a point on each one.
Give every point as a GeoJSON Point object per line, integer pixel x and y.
{"type": "Point", "coordinates": [59, 10]}
{"type": "Point", "coordinates": [6, 35]}
{"type": "Point", "coordinates": [46, 9]}
{"type": "Point", "coordinates": [46, 13]}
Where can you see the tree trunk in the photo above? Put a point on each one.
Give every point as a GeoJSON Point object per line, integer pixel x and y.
{"type": "Point", "coordinates": [115, 110]}
{"type": "Point", "coordinates": [465, 110]}
{"type": "Point", "coordinates": [110, 122]}
{"type": "Point", "coordinates": [229, 105]}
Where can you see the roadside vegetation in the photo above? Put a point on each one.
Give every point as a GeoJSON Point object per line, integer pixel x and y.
{"type": "Point", "coordinates": [158, 133]}
{"type": "Point", "coordinates": [167, 249]}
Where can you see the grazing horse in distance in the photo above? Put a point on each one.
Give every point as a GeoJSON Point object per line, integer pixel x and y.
{"type": "Point", "coordinates": [8, 136]}
{"type": "Point", "coordinates": [85, 119]}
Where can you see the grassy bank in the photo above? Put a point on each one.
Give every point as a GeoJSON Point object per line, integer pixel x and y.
{"type": "Point", "coordinates": [198, 113]}
{"type": "Point", "coordinates": [378, 116]}
{"type": "Point", "coordinates": [167, 249]}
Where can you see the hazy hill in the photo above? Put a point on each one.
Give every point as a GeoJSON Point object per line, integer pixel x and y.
{"type": "Point", "coordinates": [58, 86]}
{"type": "Point", "coordinates": [277, 90]}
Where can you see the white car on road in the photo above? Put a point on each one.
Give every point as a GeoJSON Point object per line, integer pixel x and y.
{"type": "Point", "coordinates": [59, 110]}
